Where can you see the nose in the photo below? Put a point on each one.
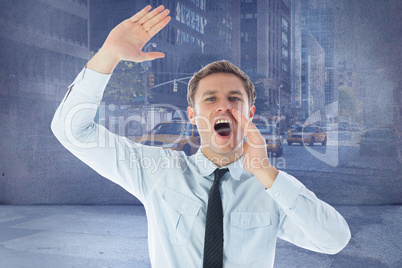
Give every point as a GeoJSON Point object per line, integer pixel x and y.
{"type": "Point", "coordinates": [223, 106]}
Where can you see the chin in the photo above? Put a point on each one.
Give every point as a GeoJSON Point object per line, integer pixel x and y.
{"type": "Point", "coordinates": [226, 148]}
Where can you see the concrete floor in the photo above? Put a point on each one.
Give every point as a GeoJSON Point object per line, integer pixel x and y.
{"type": "Point", "coordinates": [116, 236]}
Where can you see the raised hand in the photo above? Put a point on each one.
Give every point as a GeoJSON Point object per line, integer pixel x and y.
{"type": "Point", "coordinates": [126, 40]}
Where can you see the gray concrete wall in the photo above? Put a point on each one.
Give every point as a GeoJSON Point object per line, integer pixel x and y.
{"type": "Point", "coordinates": [44, 44]}
{"type": "Point", "coordinates": [36, 169]}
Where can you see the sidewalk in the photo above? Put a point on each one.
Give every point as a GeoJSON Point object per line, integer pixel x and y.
{"type": "Point", "coordinates": [116, 236]}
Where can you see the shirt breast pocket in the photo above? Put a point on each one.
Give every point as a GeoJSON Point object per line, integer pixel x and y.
{"type": "Point", "coordinates": [249, 234]}
{"type": "Point", "coordinates": [179, 216]}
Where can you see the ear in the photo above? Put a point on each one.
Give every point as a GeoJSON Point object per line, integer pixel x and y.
{"type": "Point", "coordinates": [252, 112]}
{"type": "Point", "coordinates": [190, 112]}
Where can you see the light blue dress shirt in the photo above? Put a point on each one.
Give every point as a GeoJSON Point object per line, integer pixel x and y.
{"type": "Point", "coordinates": [174, 190]}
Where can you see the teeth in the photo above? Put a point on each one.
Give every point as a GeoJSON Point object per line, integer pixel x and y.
{"type": "Point", "coordinates": [220, 121]}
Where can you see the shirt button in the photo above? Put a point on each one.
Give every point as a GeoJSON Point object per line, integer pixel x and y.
{"type": "Point", "coordinates": [277, 194]}
{"type": "Point", "coordinates": [244, 223]}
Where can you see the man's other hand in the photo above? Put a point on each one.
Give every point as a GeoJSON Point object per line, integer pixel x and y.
{"type": "Point", "coordinates": [255, 156]}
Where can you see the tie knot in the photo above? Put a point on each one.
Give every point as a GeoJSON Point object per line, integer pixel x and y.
{"type": "Point", "coordinates": [219, 173]}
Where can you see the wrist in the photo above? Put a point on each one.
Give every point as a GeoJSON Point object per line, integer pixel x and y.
{"type": "Point", "coordinates": [267, 176]}
{"type": "Point", "coordinates": [105, 61]}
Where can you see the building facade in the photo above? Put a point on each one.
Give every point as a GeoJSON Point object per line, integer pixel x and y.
{"type": "Point", "coordinates": [42, 49]}
{"type": "Point", "coordinates": [318, 18]}
{"type": "Point", "coordinates": [296, 46]}
{"type": "Point", "coordinates": [265, 49]}
{"type": "Point", "coordinates": [312, 76]}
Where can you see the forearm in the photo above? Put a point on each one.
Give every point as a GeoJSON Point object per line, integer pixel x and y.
{"type": "Point", "coordinates": [307, 221]}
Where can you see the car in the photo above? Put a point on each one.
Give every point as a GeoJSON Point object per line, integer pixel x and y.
{"type": "Point", "coordinates": [175, 135]}
{"type": "Point", "coordinates": [379, 141]}
{"type": "Point", "coordinates": [354, 127]}
{"type": "Point", "coordinates": [307, 134]}
{"type": "Point", "coordinates": [291, 129]}
{"type": "Point", "coordinates": [343, 125]}
{"type": "Point", "coordinates": [326, 126]}
{"type": "Point", "coordinates": [273, 140]}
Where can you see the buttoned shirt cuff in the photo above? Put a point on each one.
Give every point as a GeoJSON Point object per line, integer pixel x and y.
{"type": "Point", "coordinates": [285, 190]}
{"type": "Point", "coordinates": [90, 83]}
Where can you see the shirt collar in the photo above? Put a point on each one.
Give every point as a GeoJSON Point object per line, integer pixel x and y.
{"type": "Point", "coordinates": [206, 167]}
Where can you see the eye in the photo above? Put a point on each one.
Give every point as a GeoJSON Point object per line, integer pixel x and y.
{"type": "Point", "coordinates": [234, 99]}
{"type": "Point", "coordinates": [210, 99]}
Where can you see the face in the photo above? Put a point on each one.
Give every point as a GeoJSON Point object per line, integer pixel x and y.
{"type": "Point", "coordinates": [216, 96]}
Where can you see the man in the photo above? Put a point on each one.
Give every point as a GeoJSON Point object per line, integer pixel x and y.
{"type": "Point", "coordinates": [256, 202]}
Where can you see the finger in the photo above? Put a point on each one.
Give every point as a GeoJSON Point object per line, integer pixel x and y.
{"type": "Point", "coordinates": [244, 123]}
{"type": "Point", "coordinates": [140, 14]}
{"type": "Point", "coordinates": [156, 28]}
{"type": "Point", "coordinates": [151, 14]}
{"type": "Point", "coordinates": [152, 55]}
{"type": "Point", "coordinates": [155, 20]}
{"type": "Point", "coordinates": [248, 127]}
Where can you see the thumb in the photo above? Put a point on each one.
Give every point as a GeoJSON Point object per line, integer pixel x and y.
{"type": "Point", "coordinates": [153, 55]}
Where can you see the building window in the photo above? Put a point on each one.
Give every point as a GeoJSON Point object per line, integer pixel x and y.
{"type": "Point", "coordinates": [203, 23]}
{"type": "Point", "coordinates": [285, 25]}
{"type": "Point", "coordinates": [203, 4]}
{"type": "Point", "coordinates": [286, 2]}
{"type": "Point", "coordinates": [285, 53]}
{"type": "Point", "coordinates": [247, 36]}
{"type": "Point", "coordinates": [187, 17]}
{"type": "Point", "coordinates": [178, 37]}
{"type": "Point", "coordinates": [285, 68]}
{"type": "Point", "coordinates": [178, 9]}
{"type": "Point", "coordinates": [193, 20]}
{"type": "Point", "coordinates": [248, 16]}
{"type": "Point", "coordinates": [284, 39]}
{"type": "Point", "coordinates": [197, 22]}
{"type": "Point", "coordinates": [270, 96]}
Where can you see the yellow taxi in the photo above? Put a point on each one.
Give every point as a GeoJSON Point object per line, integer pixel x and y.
{"type": "Point", "coordinates": [272, 137]}
{"type": "Point", "coordinates": [291, 129]}
{"type": "Point", "coordinates": [174, 135]}
{"type": "Point", "coordinates": [309, 134]}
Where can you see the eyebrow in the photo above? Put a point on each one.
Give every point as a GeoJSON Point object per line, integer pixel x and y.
{"type": "Point", "coordinates": [212, 92]}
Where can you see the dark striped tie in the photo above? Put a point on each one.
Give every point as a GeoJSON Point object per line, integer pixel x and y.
{"type": "Point", "coordinates": [213, 244]}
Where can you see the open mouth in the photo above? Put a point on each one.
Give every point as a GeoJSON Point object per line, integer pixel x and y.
{"type": "Point", "coordinates": [223, 127]}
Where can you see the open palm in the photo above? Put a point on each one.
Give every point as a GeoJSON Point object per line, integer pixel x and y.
{"type": "Point", "coordinates": [127, 39]}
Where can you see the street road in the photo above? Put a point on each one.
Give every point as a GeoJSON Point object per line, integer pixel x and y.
{"type": "Point", "coordinates": [341, 148]}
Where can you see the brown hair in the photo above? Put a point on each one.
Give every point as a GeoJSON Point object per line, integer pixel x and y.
{"type": "Point", "coordinates": [222, 66]}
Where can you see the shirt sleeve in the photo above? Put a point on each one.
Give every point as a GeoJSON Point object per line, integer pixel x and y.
{"type": "Point", "coordinates": [112, 156]}
{"type": "Point", "coordinates": [307, 221]}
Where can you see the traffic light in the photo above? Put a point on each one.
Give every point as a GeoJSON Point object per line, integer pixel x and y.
{"type": "Point", "coordinates": [174, 86]}
{"type": "Point", "coordinates": [151, 80]}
